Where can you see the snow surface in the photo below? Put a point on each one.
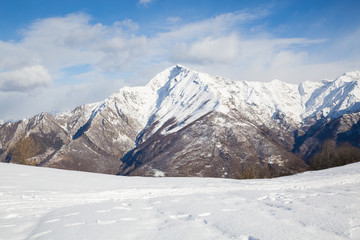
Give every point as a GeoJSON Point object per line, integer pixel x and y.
{"type": "Point", "coordinates": [41, 203]}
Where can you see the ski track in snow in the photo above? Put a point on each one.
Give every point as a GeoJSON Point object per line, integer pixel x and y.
{"type": "Point", "coordinates": [55, 204]}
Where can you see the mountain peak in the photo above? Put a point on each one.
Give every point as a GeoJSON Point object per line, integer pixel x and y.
{"type": "Point", "coordinates": [349, 77]}
{"type": "Point", "coordinates": [277, 82]}
{"type": "Point", "coordinates": [170, 73]}
{"type": "Point", "coordinates": [180, 67]}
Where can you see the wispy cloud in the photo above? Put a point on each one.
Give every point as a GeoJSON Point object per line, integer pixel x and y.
{"type": "Point", "coordinates": [223, 45]}
{"type": "Point", "coordinates": [207, 50]}
{"type": "Point", "coordinates": [70, 40]}
{"type": "Point", "coordinates": [25, 79]}
{"type": "Point", "coordinates": [62, 42]}
{"type": "Point", "coordinates": [145, 2]}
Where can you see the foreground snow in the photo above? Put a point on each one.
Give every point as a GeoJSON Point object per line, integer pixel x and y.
{"type": "Point", "coordinates": [40, 203]}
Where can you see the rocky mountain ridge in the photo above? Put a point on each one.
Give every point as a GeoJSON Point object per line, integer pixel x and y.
{"type": "Point", "coordinates": [185, 123]}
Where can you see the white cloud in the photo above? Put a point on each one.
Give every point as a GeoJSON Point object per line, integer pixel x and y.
{"type": "Point", "coordinates": [24, 79]}
{"type": "Point", "coordinates": [128, 25]}
{"type": "Point", "coordinates": [62, 42]}
{"type": "Point", "coordinates": [173, 19]}
{"type": "Point", "coordinates": [207, 50]}
{"type": "Point", "coordinates": [212, 27]}
{"type": "Point", "coordinates": [145, 2]}
{"type": "Point", "coordinates": [118, 52]}
{"type": "Point", "coordinates": [222, 46]}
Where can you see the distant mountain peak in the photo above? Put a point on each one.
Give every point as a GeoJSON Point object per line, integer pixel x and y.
{"type": "Point", "coordinates": [160, 79]}
{"type": "Point", "coordinates": [349, 76]}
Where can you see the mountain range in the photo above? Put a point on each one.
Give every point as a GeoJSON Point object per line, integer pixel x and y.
{"type": "Point", "coordinates": [187, 123]}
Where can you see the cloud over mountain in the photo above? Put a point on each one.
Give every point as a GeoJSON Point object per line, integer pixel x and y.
{"type": "Point", "coordinates": [24, 79]}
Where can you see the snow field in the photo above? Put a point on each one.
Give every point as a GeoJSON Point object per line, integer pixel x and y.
{"type": "Point", "coordinates": [41, 203]}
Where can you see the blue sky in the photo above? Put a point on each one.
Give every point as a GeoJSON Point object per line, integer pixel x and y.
{"type": "Point", "coordinates": [56, 55]}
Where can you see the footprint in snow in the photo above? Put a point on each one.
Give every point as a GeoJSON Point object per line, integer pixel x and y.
{"type": "Point", "coordinates": [121, 208]}
{"type": "Point", "coordinates": [248, 238]}
{"type": "Point", "coordinates": [177, 200]}
{"type": "Point", "coordinates": [106, 222]}
{"type": "Point", "coordinates": [13, 215]}
{"type": "Point", "coordinates": [204, 214]}
{"type": "Point", "coordinates": [147, 208]}
{"type": "Point", "coordinates": [74, 224]}
{"type": "Point", "coordinates": [263, 198]}
{"type": "Point", "coordinates": [229, 209]}
{"type": "Point", "coordinates": [127, 219]}
{"type": "Point", "coordinates": [72, 214]}
{"type": "Point", "coordinates": [180, 216]}
{"type": "Point", "coordinates": [7, 226]}
{"type": "Point", "coordinates": [53, 220]}
{"type": "Point", "coordinates": [103, 211]}
{"type": "Point", "coordinates": [40, 234]}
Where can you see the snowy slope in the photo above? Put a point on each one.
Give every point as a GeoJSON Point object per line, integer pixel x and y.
{"type": "Point", "coordinates": [41, 203]}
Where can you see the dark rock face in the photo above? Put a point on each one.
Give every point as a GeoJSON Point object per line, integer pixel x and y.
{"type": "Point", "coordinates": [205, 148]}
{"type": "Point", "coordinates": [184, 123]}
{"type": "Point", "coordinates": [344, 129]}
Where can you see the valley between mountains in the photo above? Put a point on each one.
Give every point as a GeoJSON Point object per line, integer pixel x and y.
{"type": "Point", "coordinates": [187, 123]}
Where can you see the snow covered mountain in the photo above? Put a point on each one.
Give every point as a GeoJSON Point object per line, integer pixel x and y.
{"type": "Point", "coordinates": [185, 123]}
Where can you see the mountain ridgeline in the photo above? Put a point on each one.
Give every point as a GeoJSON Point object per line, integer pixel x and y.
{"type": "Point", "coordinates": [186, 123]}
